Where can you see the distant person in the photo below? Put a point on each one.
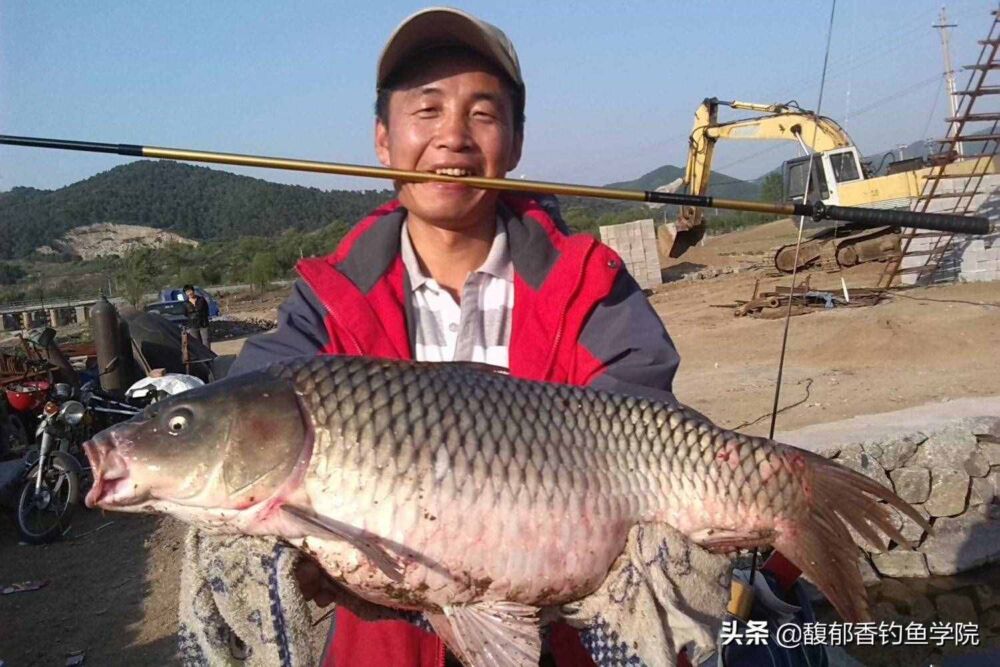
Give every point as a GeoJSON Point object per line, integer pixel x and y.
{"type": "Point", "coordinates": [196, 309]}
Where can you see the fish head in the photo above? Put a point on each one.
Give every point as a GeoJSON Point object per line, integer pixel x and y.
{"type": "Point", "coordinates": [225, 446]}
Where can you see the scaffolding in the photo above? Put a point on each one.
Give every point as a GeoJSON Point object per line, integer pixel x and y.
{"type": "Point", "coordinates": [924, 255]}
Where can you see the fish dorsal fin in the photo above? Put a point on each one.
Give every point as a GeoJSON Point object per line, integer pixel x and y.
{"type": "Point", "coordinates": [493, 634]}
{"type": "Point", "coordinates": [360, 539]}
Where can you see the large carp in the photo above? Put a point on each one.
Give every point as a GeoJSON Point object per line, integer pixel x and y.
{"type": "Point", "coordinates": [475, 497]}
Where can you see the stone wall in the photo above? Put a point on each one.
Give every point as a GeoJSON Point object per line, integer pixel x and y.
{"type": "Point", "coordinates": [949, 600]}
{"type": "Point", "coordinates": [969, 258]}
{"type": "Point", "coordinates": [949, 470]}
{"type": "Point", "coordinates": [636, 243]}
{"type": "Point", "coordinates": [944, 458]}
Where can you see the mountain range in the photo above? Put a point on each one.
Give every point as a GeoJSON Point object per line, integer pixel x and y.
{"type": "Point", "coordinates": [210, 204]}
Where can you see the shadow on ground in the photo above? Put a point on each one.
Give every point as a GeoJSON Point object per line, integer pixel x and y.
{"type": "Point", "coordinates": [678, 271]}
{"type": "Point", "coordinates": [98, 596]}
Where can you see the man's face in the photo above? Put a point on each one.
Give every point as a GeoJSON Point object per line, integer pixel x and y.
{"type": "Point", "coordinates": [455, 116]}
{"type": "Point", "coordinates": [190, 294]}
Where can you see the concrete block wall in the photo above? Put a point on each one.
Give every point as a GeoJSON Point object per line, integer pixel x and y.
{"type": "Point", "coordinates": [636, 243]}
{"type": "Point", "coordinates": [969, 258]}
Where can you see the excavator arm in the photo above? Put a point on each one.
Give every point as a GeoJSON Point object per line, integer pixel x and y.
{"type": "Point", "coordinates": [778, 122]}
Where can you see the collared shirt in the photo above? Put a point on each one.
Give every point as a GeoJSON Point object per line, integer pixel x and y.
{"type": "Point", "coordinates": [478, 328]}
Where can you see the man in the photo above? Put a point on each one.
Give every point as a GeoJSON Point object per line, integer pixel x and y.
{"type": "Point", "coordinates": [196, 309]}
{"type": "Point", "coordinates": [452, 273]}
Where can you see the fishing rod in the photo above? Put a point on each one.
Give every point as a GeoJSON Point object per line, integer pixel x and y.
{"type": "Point", "coordinates": [861, 217]}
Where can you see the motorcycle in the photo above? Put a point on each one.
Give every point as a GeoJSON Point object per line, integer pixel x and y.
{"type": "Point", "coordinates": [52, 474]}
{"type": "Point", "coordinates": [57, 474]}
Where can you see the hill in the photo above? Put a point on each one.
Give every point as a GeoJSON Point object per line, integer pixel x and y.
{"type": "Point", "coordinates": [206, 204]}
{"type": "Point", "coordinates": [194, 202]}
{"type": "Point", "coordinates": [720, 184]}
{"type": "Point", "coordinates": [106, 240]}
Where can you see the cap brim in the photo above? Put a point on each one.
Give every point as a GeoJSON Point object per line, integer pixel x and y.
{"type": "Point", "coordinates": [442, 27]}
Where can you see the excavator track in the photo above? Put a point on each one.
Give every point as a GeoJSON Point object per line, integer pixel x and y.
{"type": "Point", "coordinates": [838, 247]}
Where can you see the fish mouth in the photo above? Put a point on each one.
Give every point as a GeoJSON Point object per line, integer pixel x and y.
{"type": "Point", "coordinates": [112, 486]}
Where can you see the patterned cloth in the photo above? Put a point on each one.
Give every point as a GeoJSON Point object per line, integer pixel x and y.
{"type": "Point", "coordinates": [240, 604]}
{"type": "Point", "coordinates": [239, 598]}
{"type": "Point", "coordinates": [478, 328]}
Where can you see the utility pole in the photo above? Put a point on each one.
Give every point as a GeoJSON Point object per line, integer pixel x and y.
{"type": "Point", "coordinates": [949, 74]}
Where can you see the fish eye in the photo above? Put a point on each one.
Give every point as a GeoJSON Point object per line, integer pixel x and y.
{"type": "Point", "coordinates": [177, 424]}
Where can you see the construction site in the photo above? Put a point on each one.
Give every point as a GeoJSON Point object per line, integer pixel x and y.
{"type": "Point", "coordinates": [877, 347]}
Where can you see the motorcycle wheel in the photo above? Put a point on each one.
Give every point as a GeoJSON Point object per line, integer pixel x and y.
{"type": "Point", "coordinates": [43, 516]}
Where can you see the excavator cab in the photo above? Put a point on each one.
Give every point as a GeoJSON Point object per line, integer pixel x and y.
{"type": "Point", "coordinates": [829, 170]}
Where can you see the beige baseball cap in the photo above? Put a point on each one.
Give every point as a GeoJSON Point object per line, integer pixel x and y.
{"type": "Point", "coordinates": [445, 26]}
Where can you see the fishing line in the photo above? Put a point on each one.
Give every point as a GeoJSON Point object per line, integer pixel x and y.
{"type": "Point", "coordinates": [802, 221]}
{"type": "Point", "coordinates": [798, 246]}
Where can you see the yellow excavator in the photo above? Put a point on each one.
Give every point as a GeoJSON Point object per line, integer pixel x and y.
{"type": "Point", "coordinates": [839, 177]}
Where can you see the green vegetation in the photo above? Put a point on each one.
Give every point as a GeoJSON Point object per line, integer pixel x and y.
{"type": "Point", "coordinates": [136, 274]}
{"type": "Point", "coordinates": [195, 202]}
{"type": "Point", "coordinates": [263, 269]}
{"type": "Point", "coordinates": [250, 230]}
{"type": "Point", "coordinates": [771, 187]}
{"type": "Point", "coordinates": [11, 273]}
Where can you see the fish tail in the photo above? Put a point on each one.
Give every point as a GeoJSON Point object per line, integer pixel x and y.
{"type": "Point", "coordinates": [816, 538]}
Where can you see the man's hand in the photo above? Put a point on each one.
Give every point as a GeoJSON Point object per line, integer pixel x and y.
{"type": "Point", "coordinates": [316, 585]}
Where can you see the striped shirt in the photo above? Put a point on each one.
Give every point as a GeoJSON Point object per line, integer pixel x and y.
{"type": "Point", "coordinates": [478, 328]}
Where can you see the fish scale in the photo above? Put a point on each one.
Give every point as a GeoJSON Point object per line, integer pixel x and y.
{"type": "Point", "coordinates": [570, 443]}
{"type": "Point", "coordinates": [444, 487]}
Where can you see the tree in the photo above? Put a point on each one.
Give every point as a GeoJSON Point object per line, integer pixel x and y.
{"type": "Point", "coordinates": [771, 190]}
{"type": "Point", "coordinates": [10, 274]}
{"type": "Point", "coordinates": [137, 274]}
{"type": "Point", "coordinates": [263, 269]}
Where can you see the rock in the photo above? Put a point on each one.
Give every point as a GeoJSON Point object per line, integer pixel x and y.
{"type": "Point", "coordinates": [963, 542]}
{"type": "Point", "coordinates": [990, 451]}
{"type": "Point", "coordinates": [858, 460]}
{"type": "Point", "coordinates": [911, 530]}
{"type": "Point", "coordinates": [912, 484]}
{"type": "Point", "coordinates": [868, 574]}
{"type": "Point", "coordinates": [900, 564]}
{"type": "Point", "coordinates": [986, 595]}
{"type": "Point", "coordinates": [885, 611]}
{"type": "Point", "coordinates": [956, 608]}
{"type": "Point", "coordinates": [922, 610]}
{"type": "Point", "coordinates": [976, 465]}
{"type": "Point", "coordinates": [896, 592]}
{"type": "Point", "coordinates": [872, 448]}
{"type": "Point", "coordinates": [896, 452]}
{"type": "Point", "coordinates": [947, 448]}
{"type": "Point", "coordinates": [852, 450]}
{"type": "Point", "coordinates": [983, 490]}
{"type": "Point", "coordinates": [949, 491]}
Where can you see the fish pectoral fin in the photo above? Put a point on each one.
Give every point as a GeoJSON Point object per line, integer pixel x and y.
{"type": "Point", "coordinates": [726, 540]}
{"type": "Point", "coordinates": [360, 539]}
{"type": "Point", "coordinates": [491, 634]}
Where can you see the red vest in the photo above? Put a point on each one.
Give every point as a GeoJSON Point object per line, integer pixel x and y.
{"type": "Point", "coordinates": [546, 322]}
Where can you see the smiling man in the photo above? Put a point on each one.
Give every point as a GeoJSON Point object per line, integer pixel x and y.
{"type": "Point", "coordinates": [449, 273]}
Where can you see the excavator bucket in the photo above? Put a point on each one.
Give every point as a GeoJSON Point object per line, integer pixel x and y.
{"type": "Point", "coordinates": [673, 239]}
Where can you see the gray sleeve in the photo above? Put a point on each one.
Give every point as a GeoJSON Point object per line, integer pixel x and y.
{"type": "Point", "coordinates": [301, 332]}
{"type": "Point", "coordinates": [626, 334]}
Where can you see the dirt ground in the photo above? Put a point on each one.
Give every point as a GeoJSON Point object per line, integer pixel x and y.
{"type": "Point", "coordinates": [112, 584]}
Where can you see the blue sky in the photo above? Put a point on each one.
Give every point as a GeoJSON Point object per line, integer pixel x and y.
{"type": "Point", "coordinates": [612, 86]}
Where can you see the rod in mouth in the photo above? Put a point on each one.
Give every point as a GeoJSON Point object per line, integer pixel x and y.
{"type": "Point", "coordinates": [861, 217]}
